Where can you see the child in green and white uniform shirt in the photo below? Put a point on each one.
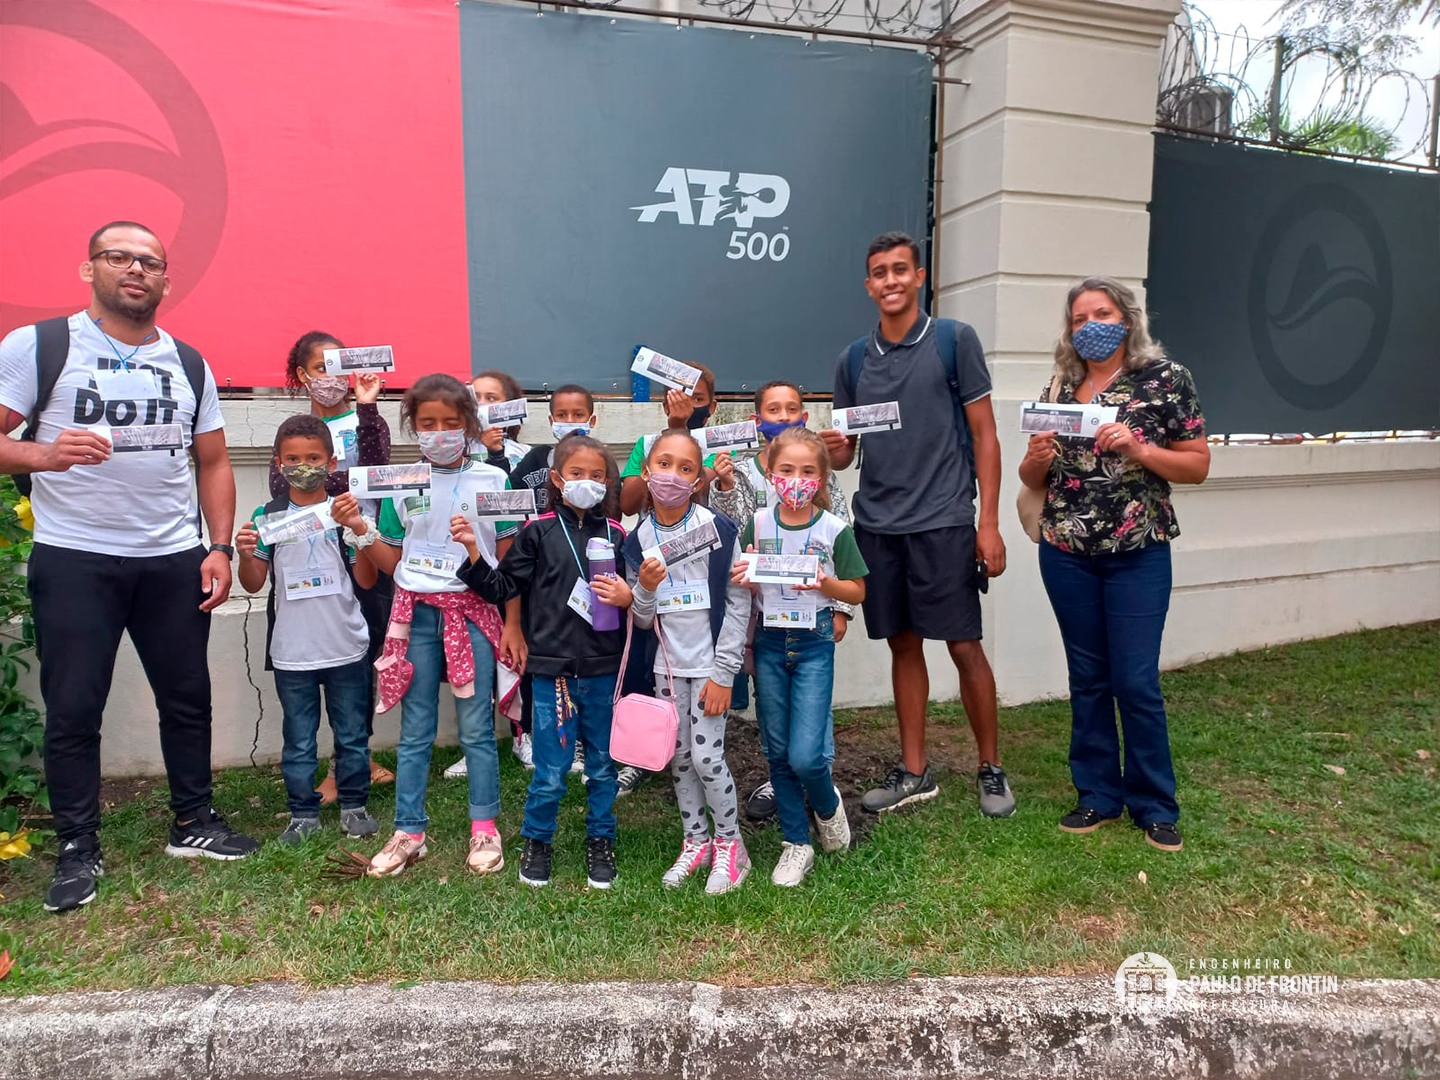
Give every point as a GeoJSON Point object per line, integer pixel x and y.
{"type": "Point", "coordinates": [684, 412]}
{"type": "Point", "coordinates": [740, 488]}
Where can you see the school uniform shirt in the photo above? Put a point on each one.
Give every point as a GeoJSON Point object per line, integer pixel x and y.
{"type": "Point", "coordinates": [136, 504]}
{"type": "Point", "coordinates": [825, 536]}
{"type": "Point", "coordinates": [683, 600]}
{"type": "Point", "coordinates": [318, 621]}
{"type": "Point", "coordinates": [419, 525]}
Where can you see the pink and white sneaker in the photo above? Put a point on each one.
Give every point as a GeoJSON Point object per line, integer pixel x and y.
{"type": "Point", "coordinates": [732, 866]}
{"type": "Point", "coordinates": [400, 851]}
{"type": "Point", "coordinates": [694, 856]}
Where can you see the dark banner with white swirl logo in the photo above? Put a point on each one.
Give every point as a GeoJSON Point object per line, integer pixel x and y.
{"type": "Point", "coordinates": [1304, 293]}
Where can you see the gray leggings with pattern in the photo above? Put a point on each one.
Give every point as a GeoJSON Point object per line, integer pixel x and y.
{"type": "Point", "coordinates": [701, 776]}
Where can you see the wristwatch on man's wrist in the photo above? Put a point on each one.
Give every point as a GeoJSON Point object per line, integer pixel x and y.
{"type": "Point", "coordinates": [226, 548]}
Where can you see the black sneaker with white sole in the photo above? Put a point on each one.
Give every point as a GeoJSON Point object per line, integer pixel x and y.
{"type": "Point", "coordinates": [901, 788]}
{"type": "Point", "coordinates": [535, 863]}
{"type": "Point", "coordinates": [1084, 819]}
{"type": "Point", "coordinates": [628, 779]}
{"type": "Point", "coordinates": [1163, 835]}
{"type": "Point", "coordinates": [600, 861]}
{"type": "Point", "coordinates": [76, 870]}
{"type": "Point", "coordinates": [760, 803]}
{"type": "Point", "coordinates": [208, 836]}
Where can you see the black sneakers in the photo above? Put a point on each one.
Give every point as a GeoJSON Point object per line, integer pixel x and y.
{"type": "Point", "coordinates": [900, 789]}
{"type": "Point", "coordinates": [760, 803]}
{"type": "Point", "coordinates": [1163, 835]}
{"type": "Point", "coordinates": [600, 861]}
{"type": "Point", "coordinates": [79, 864]}
{"type": "Point", "coordinates": [1083, 819]}
{"type": "Point", "coordinates": [208, 836]}
{"type": "Point", "coordinates": [535, 863]}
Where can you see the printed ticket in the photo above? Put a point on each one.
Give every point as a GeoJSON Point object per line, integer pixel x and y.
{"type": "Point", "coordinates": [127, 440]}
{"type": "Point", "coordinates": [1070, 421]}
{"type": "Point", "coordinates": [739, 436]}
{"type": "Point", "coordinates": [782, 569]}
{"type": "Point", "coordinates": [882, 416]}
{"type": "Point", "coordinates": [504, 413]}
{"type": "Point", "coordinates": [688, 545]}
{"type": "Point", "coordinates": [666, 370]}
{"type": "Point", "coordinates": [383, 481]}
{"type": "Point", "coordinates": [498, 504]}
{"type": "Point", "coordinates": [278, 529]}
{"type": "Point", "coordinates": [365, 358]}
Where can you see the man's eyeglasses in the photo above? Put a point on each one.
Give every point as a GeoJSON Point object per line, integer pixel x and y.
{"type": "Point", "coordinates": [123, 260]}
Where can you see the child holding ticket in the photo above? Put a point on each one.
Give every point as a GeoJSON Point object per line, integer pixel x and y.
{"type": "Point", "coordinates": [436, 620]}
{"type": "Point", "coordinates": [683, 412]}
{"type": "Point", "coordinates": [795, 643]}
{"type": "Point", "coordinates": [701, 617]}
{"type": "Point", "coordinates": [572, 665]}
{"type": "Point", "coordinates": [498, 446]}
{"type": "Point", "coordinates": [316, 637]}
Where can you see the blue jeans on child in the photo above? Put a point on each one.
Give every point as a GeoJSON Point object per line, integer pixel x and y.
{"type": "Point", "coordinates": [1111, 610]}
{"type": "Point", "coordinates": [419, 717]}
{"type": "Point", "coordinates": [794, 679]}
{"type": "Point", "coordinates": [347, 704]}
{"type": "Point", "coordinates": [590, 723]}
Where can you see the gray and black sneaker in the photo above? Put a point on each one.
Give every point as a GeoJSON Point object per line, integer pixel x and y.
{"type": "Point", "coordinates": [535, 863]}
{"type": "Point", "coordinates": [901, 788]}
{"type": "Point", "coordinates": [600, 861]}
{"type": "Point", "coordinates": [299, 830]}
{"type": "Point", "coordinates": [208, 835]}
{"type": "Point", "coordinates": [358, 822]}
{"type": "Point", "coordinates": [760, 803]}
{"type": "Point", "coordinates": [76, 870]}
{"type": "Point", "coordinates": [996, 799]}
{"type": "Point", "coordinates": [628, 779]}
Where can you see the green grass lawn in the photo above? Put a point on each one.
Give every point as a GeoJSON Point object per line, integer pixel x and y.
{"type": "Point", "coordinates": [1284, 857]}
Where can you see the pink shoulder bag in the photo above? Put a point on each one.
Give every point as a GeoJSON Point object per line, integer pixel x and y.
{"type": "Point", "coordinates": [643, 729]}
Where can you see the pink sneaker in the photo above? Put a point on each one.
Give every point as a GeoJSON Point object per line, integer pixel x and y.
{"type": "Point", "coordinates": [732, 867]}
{"type": "Point", "coordinates": [400, 851]}
{"type": "Point", "coordinates": [694, 856]}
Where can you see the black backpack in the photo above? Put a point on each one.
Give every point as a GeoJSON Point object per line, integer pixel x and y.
{"type": "Point", "coordinates": [52, 347]}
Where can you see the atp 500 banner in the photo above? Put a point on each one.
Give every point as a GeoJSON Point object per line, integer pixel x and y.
{"type": "Point", "coordinates": [481, 187]}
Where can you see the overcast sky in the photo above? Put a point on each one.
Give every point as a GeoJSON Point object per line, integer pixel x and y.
{"type": "Point", "coordinates": [1388, 104]}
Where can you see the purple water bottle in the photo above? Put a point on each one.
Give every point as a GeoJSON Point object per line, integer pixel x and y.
{"type": "Point", "coordinates": [600, 554]}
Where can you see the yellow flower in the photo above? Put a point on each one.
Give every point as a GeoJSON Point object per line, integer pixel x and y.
{"type": "Point", "coordinates": [13, 847]}
{"type": "Point", "coordinates": [25, 514]}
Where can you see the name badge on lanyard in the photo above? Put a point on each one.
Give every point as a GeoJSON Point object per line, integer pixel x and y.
{"type": "Point", "coordinates": [677, 596]}
{"type": "Point", "coordinates": [433, 560]}
{"type": "Point", "coordinates": [579, 601]}
{"type": "Point", "coordinates": [315, 579]}
{"type": "Point", "coordinates": [126, 384]}
{"type": "Point", "coordinates": [795, 611]}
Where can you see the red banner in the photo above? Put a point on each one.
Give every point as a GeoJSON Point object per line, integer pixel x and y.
{"type": "Point", "coordinates": [301, 161]}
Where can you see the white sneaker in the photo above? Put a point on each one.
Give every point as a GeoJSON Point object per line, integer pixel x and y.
{"type": "Point", "coordinates": [578, 765]}
{"type": "Point", "coordinates": [796, 860]}
{"type": "Point", "coordinates": [456, 771]}
{"type": "Point", "coordinates": [694, 856]}
{"type": "Point", "coordinates": [834, 831]}
{"type": "Point", "coordinates": [521, 748]}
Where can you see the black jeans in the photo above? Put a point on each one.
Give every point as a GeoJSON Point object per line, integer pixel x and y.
{"type": "Point", "coordinates": [82, 603]}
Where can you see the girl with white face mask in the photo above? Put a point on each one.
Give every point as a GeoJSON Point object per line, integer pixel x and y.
{"type": "Point", "coordinates": [436, 618]}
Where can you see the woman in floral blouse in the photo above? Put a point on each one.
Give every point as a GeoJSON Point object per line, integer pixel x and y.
{"type": "Point", "coordinates": [1105, 530]}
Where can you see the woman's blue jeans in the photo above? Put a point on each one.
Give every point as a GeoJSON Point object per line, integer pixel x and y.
{"type": "Point", "coordinates": [1111, 610]}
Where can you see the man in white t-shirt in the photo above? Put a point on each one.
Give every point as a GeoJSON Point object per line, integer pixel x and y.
{"type": "Point", "coordinates": [117, 540]}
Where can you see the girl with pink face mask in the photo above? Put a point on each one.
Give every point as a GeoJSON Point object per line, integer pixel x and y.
{"type": "Point", "coordinates": [360, 433]}
{"type": "Point", "coordinates": [700, 617]}
{"type": "Point", "coordinates": [795, 647]}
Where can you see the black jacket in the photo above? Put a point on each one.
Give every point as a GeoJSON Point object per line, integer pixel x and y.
{"type": "Point", "coordinates": [541, 568]}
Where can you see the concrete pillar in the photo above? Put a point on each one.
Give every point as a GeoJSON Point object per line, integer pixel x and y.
{"type": "Point", "coordinates": [1046, 176]}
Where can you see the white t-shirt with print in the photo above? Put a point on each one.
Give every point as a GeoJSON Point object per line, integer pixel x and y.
{"type": "Point", "coordinates": [419, 525]}
{"type": "Point", "coordinates": [135, 504]}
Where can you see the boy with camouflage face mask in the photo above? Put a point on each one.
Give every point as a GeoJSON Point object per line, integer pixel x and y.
{"type": "Point", "coordinates": [317, 637]}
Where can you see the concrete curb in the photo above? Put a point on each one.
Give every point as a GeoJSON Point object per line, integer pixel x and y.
{"type": "Point", "coordinates": [970, 1028]}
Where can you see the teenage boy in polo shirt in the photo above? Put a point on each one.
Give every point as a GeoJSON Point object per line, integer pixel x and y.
{"type": "Point", "coordinates": [915, 516]}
